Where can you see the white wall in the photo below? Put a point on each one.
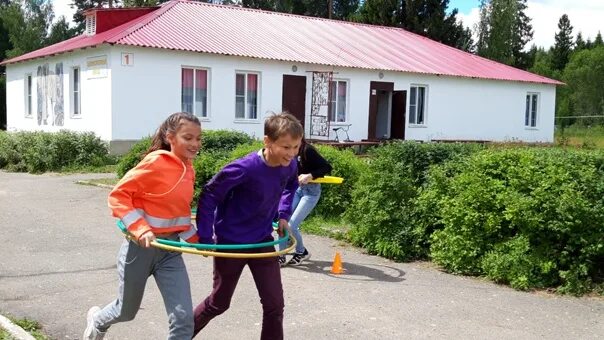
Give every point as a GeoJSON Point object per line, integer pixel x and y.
{"type": "Point", "coordinates": [95, 94]}
{"type": "Point", "coordinates": [131, 101]}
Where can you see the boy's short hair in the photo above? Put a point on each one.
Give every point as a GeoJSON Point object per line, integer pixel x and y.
{"type": "Point", "coordinates": [277, 125]}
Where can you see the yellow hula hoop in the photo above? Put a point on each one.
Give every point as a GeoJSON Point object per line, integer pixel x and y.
{"type": "Point", "coordinates": [224, 254]}
{"type": "Point", "coordinates": [221, 254]}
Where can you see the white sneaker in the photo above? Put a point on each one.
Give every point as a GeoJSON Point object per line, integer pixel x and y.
{"type": "Point", "coordinates": [91, 333]}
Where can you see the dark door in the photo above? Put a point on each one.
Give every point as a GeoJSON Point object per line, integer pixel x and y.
{"type": "Point", "coordinates": [399, 114]}
{"type": "Point", "coordinates": [294, 96]}
{"type": "Point", "coordinates": [374, 88]}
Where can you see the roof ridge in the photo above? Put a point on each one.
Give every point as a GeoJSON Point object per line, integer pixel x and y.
{"type": "Point", "coordinates": [141, 22]}
{"type": "Point", "coordinates": [306, 17]}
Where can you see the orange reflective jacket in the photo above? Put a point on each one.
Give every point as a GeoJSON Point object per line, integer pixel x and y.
{"type": "Point", "coordinates": [156, 196]}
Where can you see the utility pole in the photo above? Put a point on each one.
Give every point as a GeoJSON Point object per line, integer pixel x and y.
{"type": "Point", "coordinates": [330, 9]}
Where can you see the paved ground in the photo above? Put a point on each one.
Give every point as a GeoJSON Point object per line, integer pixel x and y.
{"type": "Point", "coordinates": [58, 252]}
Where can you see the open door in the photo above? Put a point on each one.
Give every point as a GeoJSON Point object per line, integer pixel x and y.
{"type": "Point", "coordinates": [379, 110]}
{"type": "Point", "coordinates": [399, 114]}
{"type": "Point", "coordinates": [293, 99]}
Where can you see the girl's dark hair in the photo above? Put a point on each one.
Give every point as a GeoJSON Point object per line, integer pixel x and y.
{"type": "Point", "coordinates": [170, 125]}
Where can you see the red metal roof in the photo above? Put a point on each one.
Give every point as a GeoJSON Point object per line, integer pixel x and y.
{"type": "Point", "coordinates": [201, 27]}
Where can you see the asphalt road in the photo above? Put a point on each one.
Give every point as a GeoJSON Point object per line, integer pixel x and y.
{"type": "Point", "coordinates": [58, 250]}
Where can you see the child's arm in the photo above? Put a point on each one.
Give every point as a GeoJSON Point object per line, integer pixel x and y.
{"type": "Point", "coordinates": [212, 195]}
{"type": "Point", "coordinates": [121, 199]}
{"type": "Point", "coordinates": [287, 197]}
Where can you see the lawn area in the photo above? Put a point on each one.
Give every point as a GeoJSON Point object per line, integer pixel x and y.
{"type": "Point", "coordinates": [582, 136]}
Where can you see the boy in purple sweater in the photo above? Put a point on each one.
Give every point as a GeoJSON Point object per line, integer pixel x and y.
{"type": "Point", "coordinates": [238, 206]}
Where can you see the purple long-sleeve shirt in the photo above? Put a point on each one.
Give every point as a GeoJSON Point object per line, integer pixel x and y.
{"type": "Point", "coordinates": [241, 201]}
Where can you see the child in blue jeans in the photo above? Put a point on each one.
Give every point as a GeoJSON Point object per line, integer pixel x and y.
{"type": "Point", "coordinates": [311, 165]}
{"type": "Point", "coordinates": [237, 207]}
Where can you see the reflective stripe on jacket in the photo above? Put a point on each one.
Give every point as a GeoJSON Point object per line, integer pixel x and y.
{"type": "Point", "coordinates": [156, 196]}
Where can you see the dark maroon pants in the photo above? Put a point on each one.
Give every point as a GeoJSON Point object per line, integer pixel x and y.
{"type": "Point", "coordinates": [267, 276]}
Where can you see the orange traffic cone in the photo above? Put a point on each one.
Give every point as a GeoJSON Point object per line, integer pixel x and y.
{"type": "Point", "coordinates": [336, 268]}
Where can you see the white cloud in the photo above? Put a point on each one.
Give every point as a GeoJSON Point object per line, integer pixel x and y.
{"type": "Point", "coordinates": [585, 16]}
{"type": "Point", "coordinates": [61, 8]}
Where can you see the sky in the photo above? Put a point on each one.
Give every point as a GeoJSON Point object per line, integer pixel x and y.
{"type": "Point", "coordinates": [583, 15]}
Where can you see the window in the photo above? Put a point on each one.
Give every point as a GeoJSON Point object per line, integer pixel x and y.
{"type": "Point", "coordinates": [417, 105]}
{"type": "Point", "coordinates": [28, 95]}
{"type": "Point", "coordinates": [337, 111]}
{"type": "Point", "coordinates": [246, 96]}
{"type": "Point", "coordinates": [194, 87]}
{"type": "Point", "coordinates": [76, 94]}
{"type": "Point", "coordinates": [532, 106]}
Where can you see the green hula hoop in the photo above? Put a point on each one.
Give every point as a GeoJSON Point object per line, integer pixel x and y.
{"type": "Point", "coordinates": [285, 238]}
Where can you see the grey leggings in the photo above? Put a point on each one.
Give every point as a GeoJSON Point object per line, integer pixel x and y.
{"type": "Point", "coordinates": [134, 266]}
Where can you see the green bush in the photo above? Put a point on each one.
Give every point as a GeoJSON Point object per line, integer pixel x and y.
{"type": "Point", "coordinates": [383, 209]}
{"type": "Point", "coordinates": [531, 217]}
{"type": "Point", "coordinates": [134, 155]}
{"type": "Point", "coordinates": [223, 140]}
{"type": "Point", "coordinates": [336, 198]}
{"type": "Point", "coordinates": [38, 152]}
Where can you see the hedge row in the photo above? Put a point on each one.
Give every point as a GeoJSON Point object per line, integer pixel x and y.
{"type": "Point", "coordinates": [38, 152]}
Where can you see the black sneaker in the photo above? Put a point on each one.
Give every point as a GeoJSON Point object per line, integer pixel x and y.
{"type": "Point", "coordinates": [282, 261]}
{"type": "Point", "coordinates": [299, 258]}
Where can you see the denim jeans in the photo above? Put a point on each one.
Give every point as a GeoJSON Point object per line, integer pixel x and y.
{"type": "Point", "coordinates": [306, 198]}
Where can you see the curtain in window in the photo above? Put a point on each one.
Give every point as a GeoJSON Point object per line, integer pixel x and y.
{"type": "Point", "coordinates": [240, 96]}
{"type": "Point", "coordinates": [413, 105]}
{"type": "Point", "coordinates": [252, 95]}
{"type": "Point", "coordinates": [534, 111]}
{"type": "Point", "coordinates": [421, 97]}
{"type": "Point", "coordinates": [341, 115]}
{"type": "Point", "coordinates": [201, 93]}
{"type": "Point", "coordinates": [187, 90]}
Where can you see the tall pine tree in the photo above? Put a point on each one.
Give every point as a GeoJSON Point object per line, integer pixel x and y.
{"type": "Point", "coordinates": [503, 31]}
{"type": "Point", "coordinates": [563, 45]}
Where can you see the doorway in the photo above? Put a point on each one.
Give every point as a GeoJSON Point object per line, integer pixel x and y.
{"type": "Point", "coordinates": [380, 104]}
{"type": "Point", "coordinates": [399, 115]}
{"type": "Point", "coordinates": [293, 99]}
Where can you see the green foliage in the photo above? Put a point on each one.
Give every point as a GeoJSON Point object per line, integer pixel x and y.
{"type": "Point", "coordinates": [27, 25]}
{"type": "Point", "coordinates": [336, 198]}
{"type": "Point", "coordinates": [38, 152]}
{"type": "Point", "coordinates": [503, 31]}
{"type": "Point", "coordinates": [383, 208]}
{"type": "Point", "coordinates": [564, 43]}
{"type": "Point", "coordinates": [533, 217]}
{"type": "Point", "coordinates": [584, 75]}
{"type": "Point", "coordinates": [134, 155]}
{"type": "Point", "coordinates": [223, 140]}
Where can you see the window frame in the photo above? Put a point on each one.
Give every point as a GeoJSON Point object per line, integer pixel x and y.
{"type": "Point", "coordinates": [414, 107]}
{"type": "Point", "coordinates": [531, 110]}
{"type": "Point", "coordinates": [29, 95]}
{"type": "Point", "coordinates": [75, 92]}
{"type": "Point", "coordinates": [207, 94]}
{"type": "Point", "coordinates": [332, 117]}
{"type": "Point", "coordinates": [246, 112]}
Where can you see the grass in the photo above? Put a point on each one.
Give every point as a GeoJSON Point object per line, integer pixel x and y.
{"type": "Point", "coordinates": [101, 182]}
{"type": "Point", "coordinates": [4, 335]}
{"type": "Point", "coordinates": [581, 136]}
{"type": "Point", "coordinates": [334, 228]}
{"type": "Point", "coordinates": [30, 326]}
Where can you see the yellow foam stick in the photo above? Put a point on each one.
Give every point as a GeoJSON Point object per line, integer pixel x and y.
{"type": "Point", "coordinates": [328, 180]}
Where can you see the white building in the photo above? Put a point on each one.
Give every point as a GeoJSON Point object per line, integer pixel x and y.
{"type": "Point", "coordinates": [233, 66]}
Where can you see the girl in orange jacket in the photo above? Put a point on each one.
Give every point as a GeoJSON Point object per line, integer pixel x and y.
{"type": "Point", "coordinates": [154, 199]}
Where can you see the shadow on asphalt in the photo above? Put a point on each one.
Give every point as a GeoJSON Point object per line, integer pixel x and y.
{"type": "Point", "coordinates": [353, 271]}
